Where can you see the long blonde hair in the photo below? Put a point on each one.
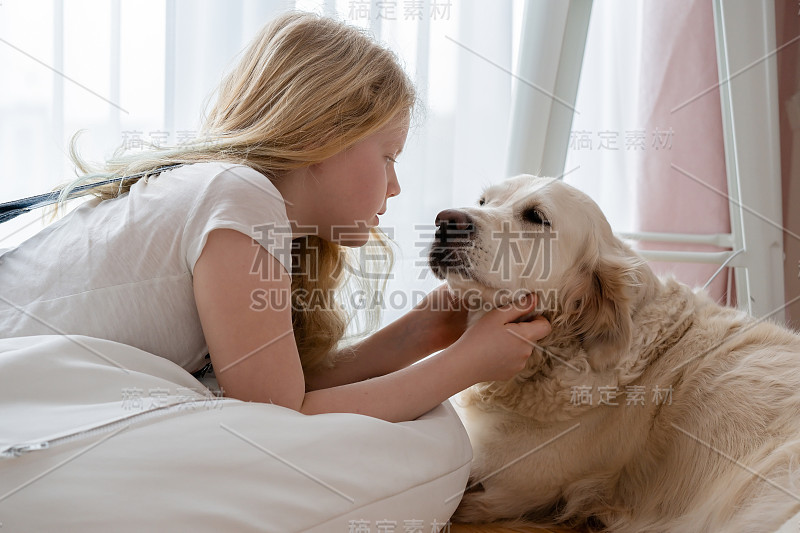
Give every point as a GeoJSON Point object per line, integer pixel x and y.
{"type": "Point", "coordinates": [305, 89]}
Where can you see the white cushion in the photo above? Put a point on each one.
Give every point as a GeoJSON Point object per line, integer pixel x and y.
{"type": "Point", "coordinates": [790, 526]}
{"type": "Point", "coordinates": [204, 463]}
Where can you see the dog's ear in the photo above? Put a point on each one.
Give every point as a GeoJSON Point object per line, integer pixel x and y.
{"type": "Point", "coordinates": [607, 315]}
{"type": "Point", "coordinates": [598, 306]}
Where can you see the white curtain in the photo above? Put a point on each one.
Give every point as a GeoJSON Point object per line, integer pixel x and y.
{"type": "Point", "coordinates": [600, 160]}
{"type": "Point", "coordinates": [142, 71]}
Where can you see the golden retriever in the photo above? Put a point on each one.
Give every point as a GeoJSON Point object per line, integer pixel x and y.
{"type": "Point", "coordinates": [647, 408]}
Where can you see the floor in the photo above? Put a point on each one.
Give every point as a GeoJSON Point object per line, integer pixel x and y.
{"type": "Point", "coordinates": [465, 528]}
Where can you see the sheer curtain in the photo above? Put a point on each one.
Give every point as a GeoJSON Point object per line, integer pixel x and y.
{"type": "Point", "coordinates": [642, 60]}
{"type": "Point", "coordinates": [135, 72]}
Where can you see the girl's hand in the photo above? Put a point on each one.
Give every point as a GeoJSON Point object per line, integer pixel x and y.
{"type": "Point", "coordinates": [443, 316]}
{"type": "Point", "coordinates": [495, 347]}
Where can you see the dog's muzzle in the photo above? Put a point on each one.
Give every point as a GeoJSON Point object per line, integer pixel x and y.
{"type": "Point", "coordinates": [455, 232]}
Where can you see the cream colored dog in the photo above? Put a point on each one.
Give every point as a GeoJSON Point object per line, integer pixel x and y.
{"type": "Point", "coordinates": [648, 408]}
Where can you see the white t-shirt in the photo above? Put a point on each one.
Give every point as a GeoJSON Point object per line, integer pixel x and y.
{"type": "Point", "coordinates": [121, 269]}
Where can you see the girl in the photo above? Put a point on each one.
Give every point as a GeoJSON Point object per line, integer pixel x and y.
{"type": "Point", "coordinates": [237, 248]}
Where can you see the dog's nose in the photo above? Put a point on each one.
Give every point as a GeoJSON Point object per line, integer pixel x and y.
{"type": "Point", "coordinates": [454, 226]}
{"type": "Point", "coordinates": [453, 219]}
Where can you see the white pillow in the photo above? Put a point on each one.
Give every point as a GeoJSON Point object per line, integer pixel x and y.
{"type": "Point", "coordinates": [173, 457]}
{"type": "Point", "coordinates": [790, 526]}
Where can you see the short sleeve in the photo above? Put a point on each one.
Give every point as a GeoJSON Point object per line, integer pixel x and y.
{"type": "Point", "coordinates": [240, 198]}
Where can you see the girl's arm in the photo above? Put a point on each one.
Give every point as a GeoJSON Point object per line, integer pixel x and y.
{"type": "Point", "coordinates": [396, 346]}
{"type": "Point", "coordinates": [435, 323]}
{"type": "Point", "coordinates": [398, 396]}
{"type": "Point", "coordinates": [255, 357]}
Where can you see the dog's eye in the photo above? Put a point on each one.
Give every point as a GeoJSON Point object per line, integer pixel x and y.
{"type": "Point", "coordinates": [533, 216]}
{"type": "Point", "coordinates": [481, 201]}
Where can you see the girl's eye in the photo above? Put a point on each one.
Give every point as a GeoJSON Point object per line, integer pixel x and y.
{"type": "Point", "coordinates": [390, 159]}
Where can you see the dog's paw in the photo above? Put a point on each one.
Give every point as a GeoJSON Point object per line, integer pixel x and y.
{"type": "Point", "coordinates": [474, 486]}
{"type": "Point", "coordinates": [473, 508]}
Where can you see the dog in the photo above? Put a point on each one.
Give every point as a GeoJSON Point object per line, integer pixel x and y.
{"type": "Point", "coordinates": [649, 407]}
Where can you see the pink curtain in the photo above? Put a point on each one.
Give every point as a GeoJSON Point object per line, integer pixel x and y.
{"type": "Point", "coordinates": [787, 26]}
{"type": "Point", "coordinates": [678, 62]}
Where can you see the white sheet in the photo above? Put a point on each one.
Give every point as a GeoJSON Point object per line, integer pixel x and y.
{"type": "Point", "coordinates": [203, 464]}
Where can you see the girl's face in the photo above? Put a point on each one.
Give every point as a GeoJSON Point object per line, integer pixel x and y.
{"type": "Point", "coordinates": [351, 188]}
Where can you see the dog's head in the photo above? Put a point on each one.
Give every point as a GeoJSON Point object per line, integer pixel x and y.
{"type": "Point", "coordinates": [542, 236]}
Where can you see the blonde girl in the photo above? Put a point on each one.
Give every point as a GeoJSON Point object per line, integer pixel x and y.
{"type": "Point", "coordinates": [306, 130]}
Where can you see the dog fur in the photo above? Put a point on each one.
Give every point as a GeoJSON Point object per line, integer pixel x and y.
{"type": "Point", "coordinates": [719, 452]}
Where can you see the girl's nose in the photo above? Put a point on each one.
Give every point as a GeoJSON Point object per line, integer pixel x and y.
{"type": "Point", "coordinates": [394, 186]}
